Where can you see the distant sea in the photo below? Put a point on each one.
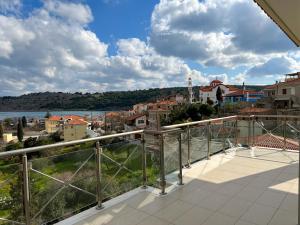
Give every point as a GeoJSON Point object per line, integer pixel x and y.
{"type": "Point", "coordinates": [4, 115]}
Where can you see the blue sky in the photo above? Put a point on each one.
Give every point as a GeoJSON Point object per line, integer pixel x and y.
{"type": "Point", "coordinates": [109, 45]}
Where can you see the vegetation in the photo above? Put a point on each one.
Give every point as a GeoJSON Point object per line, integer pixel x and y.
{"type": "Point", "coordinates": [91, 101]}
{"type": "Point", "coordinates": [20, 132]}
{"type": "Point", "coordinates": [24, 122]}
{"type": "Point", "coordinates": [1, 130]}
{"type": "Point", "coordinates": [188, 112]}
{"type": "Point", "coordinates": [121, 169]}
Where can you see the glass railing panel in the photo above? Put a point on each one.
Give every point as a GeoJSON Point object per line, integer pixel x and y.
{"type": "Point", "coordinates": [121, 167]}
{"type": "Point", "coordinates": [11, 207]}
{"type": "Point", "coordinates": [229, 133]}
{"type": "Point", "coordinates": [268, 133]}
{"type": "Point", "coordinates": [171, 152]}
{"type": "Point", "coordinates": [61, 185]}
{"type": "Point", "coordinates": [184, 145]}
{"type": "Point", "coordinates": [152, 143]}
{"type": "Point", "coordinates": [243, 132]}
{"type": "Point", "coordinates": [198, 146]}
{"type": "Point", "coordinates": [217, 137]}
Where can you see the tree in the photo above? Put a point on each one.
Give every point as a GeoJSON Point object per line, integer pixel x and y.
{"type": "Point", "coordinates": [1, 131]}
{"type": "Point", "coordinates": [7, 122]}
{"type": "Point", "coordinates": [48, 114]}
{"type": "Point", "coordinates": [20, 132]}
{"type": "Point", "coordinates": [219, 95]}
{"type": "Point", "coordinates": [24, 121]}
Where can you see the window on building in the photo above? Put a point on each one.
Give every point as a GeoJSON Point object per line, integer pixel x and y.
{"type": "Point", "coordinates": [284, 91]}
{"type": "Point", "coordinates": [140, 121]}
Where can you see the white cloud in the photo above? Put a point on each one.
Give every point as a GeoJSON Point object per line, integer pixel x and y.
{"type": "Point", "coordinates": [216, 33]}
{"type": "Point", "coordinates": [10, 6]}
{"type": "Point", "coordinates": [70, 11]}
{"type": "Point", "coordinates": [45, 52]}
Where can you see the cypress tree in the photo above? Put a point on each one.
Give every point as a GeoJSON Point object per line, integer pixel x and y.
{"type": "Point", "coordinates": [1, 131]}
{"type": "Point", "coordinates": [20, 132]}
{"type": "Point", "coordinates": [24, 121]}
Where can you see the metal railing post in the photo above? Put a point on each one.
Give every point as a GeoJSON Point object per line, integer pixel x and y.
{"type": "Point", "coordinates": [223, 133]}
{"type": "Point", "coordinates": [284, 134]}
{"type": "Point", "coordinates": [249, 132]}
{"type": "Point", "coordinates": [26, 195]}
{"type": "Point", "coordinates": [188, 147]}
{"type": "Point", "coordinates": [144, 162]}
{"type": "Point", "coordinates": [162, 166]}
{"type": "Point", "coordinates": [180, 182]}
{"type": "Point", "coordinates": [253, 131]}
{"type": "Point", "coordinates": [208, 139]}
{"type": "Point", "coordinates": [98, 175]}
{"type": "Point", "coordinates": [236, 132]}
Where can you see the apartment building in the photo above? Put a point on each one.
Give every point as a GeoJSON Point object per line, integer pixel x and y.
{"type": "Point", "coordinates": [286, 94]}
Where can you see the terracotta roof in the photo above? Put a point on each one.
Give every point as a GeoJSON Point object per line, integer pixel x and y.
{"type": "Point", "coordinates": [206, 89]}
{"type": "Point", "coordinates": [76, 122]}
{"type": "Point", "coordinates": [254, 110]}
{"type": "Point", "coordinates": [65, 117]}
{"type": "Point", "coordinates": [287, 82]}
{"type": "Point", "coordinates": [216, 81]}
{"type": "Point", "coordinates": [275, 141]}
{"type": "Point", "coordinates": [135, 116]}
{"type": "Point", "coordinates": [55, 118]}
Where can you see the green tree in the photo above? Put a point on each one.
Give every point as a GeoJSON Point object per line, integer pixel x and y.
{"type": "Point", "coordinates": [20, 132]}
{"type": "Point", "coordinates": [1, 131]}
{"type": "Point", "coordinates": [13, 146]}
{"type": "Point", "coordinates": [48, 114]}
{"type": "Point", "coordinates": [24, 121]}
{"type": "Point", "coordinates": [7, 122]}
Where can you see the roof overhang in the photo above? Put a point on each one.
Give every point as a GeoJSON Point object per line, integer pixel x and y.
{"type": "Point", "coordinates": [285, 13]}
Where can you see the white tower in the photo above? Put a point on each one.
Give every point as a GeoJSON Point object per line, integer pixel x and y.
{"type": "Point", "coordinates": [190, 89]}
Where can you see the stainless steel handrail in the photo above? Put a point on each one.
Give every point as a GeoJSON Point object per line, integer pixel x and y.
{"type": "Point", "coordinates": [63, 144]}
{"type": "Point", "coordinates": [199, 122]}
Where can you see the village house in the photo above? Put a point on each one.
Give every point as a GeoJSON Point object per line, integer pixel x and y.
{"type": "Point", "coordinates": [286, 94]}
{"type": "Point", "coordinates": [207, 93]}
{"type": "Point", "coordinates": [72, 127]}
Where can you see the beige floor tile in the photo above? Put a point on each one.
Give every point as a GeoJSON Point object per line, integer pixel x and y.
{"type": "Point", "coordinates": [194, 216]}
{"type": "Point", "coordinates": [214, 202]}
{"type": "Point", "coordinates": [196, 196]}
{"type": "Point", "coordinates": [290, 203]}
{"type": "Point", "coordinates": [150, 203]}
{"type": "Point", "coordinates": [235, 207]}
{"type": "Point", "coordinates": [283, 217]}
{"type": "Point", "coordinates": [173, 211]}
{"type": "Point", "coordinates": [241, 222]}
{"type": "Point", "coordinates": [220, 219]}
{"type": "Point", "coordinates": [128, 219]}
{"type": "Point", "coordinates": [151, 220]}
{"type": "Point", "coordinates": [230, 189]}
{"type": "Point", "coordinates": [250, 193]}
{"type": "Point", "coordinates": [271, 198]}
{"type": "Point", "coordinates": [259, 214]}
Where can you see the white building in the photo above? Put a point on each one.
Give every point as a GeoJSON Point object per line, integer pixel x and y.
{"type": "Point", "coordinates": [209, 92]}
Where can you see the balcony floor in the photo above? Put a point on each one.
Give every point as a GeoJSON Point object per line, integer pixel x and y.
{"type": "Point", "coordinates": [242, 187]}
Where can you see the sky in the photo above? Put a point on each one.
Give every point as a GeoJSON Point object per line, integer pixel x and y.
{"type": "Point", "coordinates": [112, 45]}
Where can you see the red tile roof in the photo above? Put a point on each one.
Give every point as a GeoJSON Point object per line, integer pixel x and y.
{"type": "Point", "coordinates": [254, 110]}
{"type": "Point", "coordinates": [275, 141]}
{"type": "Point", "coordinates": [76, 122]}
{"type": "Point", "coordinates": [65, 117]}
{"type": "Point", "coordinates": [135, 116]}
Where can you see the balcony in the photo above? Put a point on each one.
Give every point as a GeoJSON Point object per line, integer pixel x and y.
{"type": "Point", "coordinates": [234, 170]}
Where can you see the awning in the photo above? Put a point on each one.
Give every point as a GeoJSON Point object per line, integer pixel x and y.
{"type": "Point", "coordinates": [286, 14]}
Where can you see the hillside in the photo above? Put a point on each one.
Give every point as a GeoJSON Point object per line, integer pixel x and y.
{"type": "Point", "coordinates": [87, 101]}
